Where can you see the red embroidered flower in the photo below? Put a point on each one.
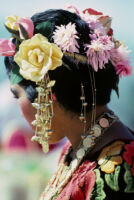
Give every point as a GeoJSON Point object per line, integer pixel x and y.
{"type": "Point", "coordinates": [81, 184]}
{"type": "Point", "coordinates": [128, 155]}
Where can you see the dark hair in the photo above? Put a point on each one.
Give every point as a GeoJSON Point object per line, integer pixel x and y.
{"type": "Point", "coordinates": [68, 81]}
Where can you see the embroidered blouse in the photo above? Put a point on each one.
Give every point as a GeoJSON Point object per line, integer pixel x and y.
{"type": "Point", "coordinates": [110, 177]}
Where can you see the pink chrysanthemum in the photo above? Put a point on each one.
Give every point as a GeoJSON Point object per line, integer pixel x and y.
{"type": "Point", "coordinates": [120, 54]}
{"type": "Point", "coordinates": [123, 68]}
{"type": "Point", "coordinates": [65, 37]}
{"type": "Point", "coordinates": [98, 52]}
{"type": "Point", "coordinates": [124, 52]}
{"type": "Point", "coordinates": [120, 59]}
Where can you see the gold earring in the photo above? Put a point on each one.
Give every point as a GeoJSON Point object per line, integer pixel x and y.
{"type": "Point", "coordinates": [43, 117]}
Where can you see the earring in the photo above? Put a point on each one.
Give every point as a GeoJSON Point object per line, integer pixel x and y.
{"type": "Point", "coordinates": [82, 117]}
{"type": "Point", "coordinates": [43, 117]}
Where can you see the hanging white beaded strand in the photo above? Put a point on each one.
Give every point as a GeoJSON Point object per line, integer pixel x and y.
{"type": "Point", "coordinates": [83, 107]}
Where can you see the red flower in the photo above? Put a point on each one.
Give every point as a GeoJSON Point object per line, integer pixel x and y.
{"type": "Point", "coordinates": [92, 12]}
{"type": "Point", "coordinates": [110, 33]}
{"type": "Point", "coordinates": [81, 184]}
{"type": "Point", "coordinates": [128, 155]}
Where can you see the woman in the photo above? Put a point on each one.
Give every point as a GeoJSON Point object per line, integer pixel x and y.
{"type": "Point", "coordinates": [63, 67]}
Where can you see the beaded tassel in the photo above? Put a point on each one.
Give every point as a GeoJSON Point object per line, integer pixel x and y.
{"type": "Point", "coordinates": [44, 107]}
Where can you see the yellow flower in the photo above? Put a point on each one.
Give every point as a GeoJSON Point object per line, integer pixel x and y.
{"type": "Point", "coordinates": [110, 157]}
{"type": "Point", "coordinates": [11, 23]}
{"type": "Point", "coordinates": [36, 56]}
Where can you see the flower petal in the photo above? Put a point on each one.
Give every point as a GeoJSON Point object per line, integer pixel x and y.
{"type": "Point", "coordinates": [36, 56]}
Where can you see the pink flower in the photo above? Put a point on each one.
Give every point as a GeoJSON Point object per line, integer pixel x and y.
{"type": "Point", "coordinates": [7, 48]}
{"type": "Point", "coordinates": [27, 23]}
{"type": "Point", "coordinates": [124, 52]}
{"type": "Point", "coordinates": [121, 54]}
{"type": "Point", "coordinates": [123, 68]}
{"type": "Point", "coordinates": [65, 37]}
{"type": "Point", "coordinates": [98, 52]}
{"type": "Point", "coordinates": [115, 57]}
{"type": "Point", "coordinates": [121, 61]}
{"type": "Point", "coordinates": [106, 41]}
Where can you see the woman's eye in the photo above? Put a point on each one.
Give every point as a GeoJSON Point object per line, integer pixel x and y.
{"type": "Point", "coordinates": [15, 95]}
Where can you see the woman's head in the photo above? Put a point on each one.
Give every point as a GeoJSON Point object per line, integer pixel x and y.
{"type": "Point", "coordinates": [68, 80]}
{"type": "Point", "coordinates": [89, 57]}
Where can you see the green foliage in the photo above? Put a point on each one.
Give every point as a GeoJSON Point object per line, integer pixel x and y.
{"type": "Point", "coordinates": [15, 76]}
{"type": "Point", "coordinates": [24, 32]}
{"type": "Point", "coordinates": [44, 28]}
{"type": "Point", "coordinates": [12, 31]}
{"type": "Point", "coordinates": [98, 192]}
{"type": "Point", "coordinates": [112, 179]}
{"type": "Point", "coordinates": [129, 179]}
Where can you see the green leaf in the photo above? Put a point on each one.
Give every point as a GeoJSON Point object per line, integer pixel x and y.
{"type": "Point", "coordinates": [12, 31]}
{"type": "Point", "coordinates": [112, 179]}
{"type": "Point", "coordinates": [44, 28]}
{"type": "Point", "coordinates": [15, 76]}
{"type": "Point", "coordinates": [129, 179]}
{"type": "Point", "coordinates": [98, 192]}
{"type": "Point", "coordinates": [17, 37]}
{"type": "Point", "coordinates": [24, 32]}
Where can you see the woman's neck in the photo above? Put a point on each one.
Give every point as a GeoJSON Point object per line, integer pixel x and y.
{"type": "Point", "coordinates": [75, 128]}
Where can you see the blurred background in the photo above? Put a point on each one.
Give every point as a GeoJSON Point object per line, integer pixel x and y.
{"type": "Point", "coordinates": [24, 169]}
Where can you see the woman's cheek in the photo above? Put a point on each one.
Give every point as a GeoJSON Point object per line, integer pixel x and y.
{"type": "Point", "coordinates": [27, 110]}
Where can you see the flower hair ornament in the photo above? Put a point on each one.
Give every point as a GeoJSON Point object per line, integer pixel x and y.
{"type": "Point", "coordinates": [34, 56]}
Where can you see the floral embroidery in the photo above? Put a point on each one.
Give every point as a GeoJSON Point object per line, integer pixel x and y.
{"type": "Point", "coordinates": [113, 178]}
{"type": "Point", "coordinates": [98, 191]}
{"type": "Point", "coordinates": [129, 179]}
{"type": "Point", "coordinates": [81, 184]}
{"type": "Point", "coordinates": [110, 157]}
{"type": "Point", "coordinates": [128, 155]}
